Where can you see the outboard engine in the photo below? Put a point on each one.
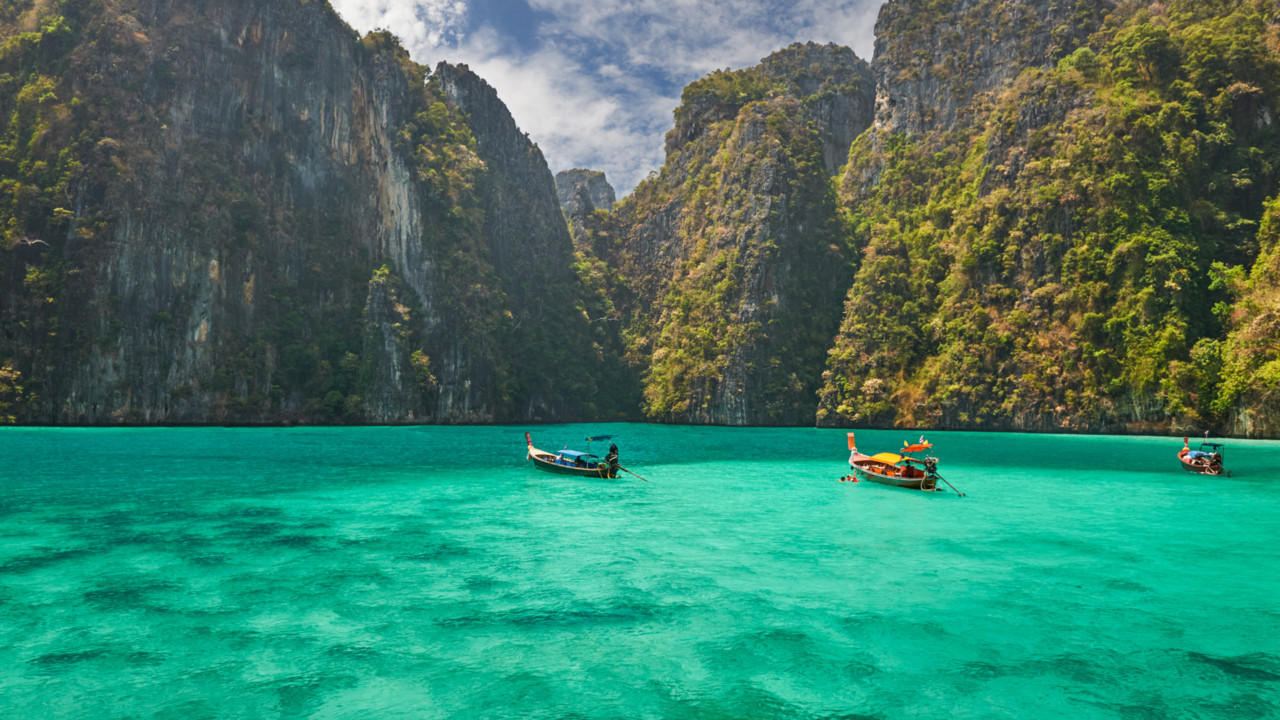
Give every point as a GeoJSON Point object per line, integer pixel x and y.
{"type": "Point", "coordinates": [1215, 462]}
{"type": "Point", "coordinates": [931, 466]}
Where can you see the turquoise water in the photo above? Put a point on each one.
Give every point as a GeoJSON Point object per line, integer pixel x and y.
{"type": "Point", "coordinates": [431, 573]}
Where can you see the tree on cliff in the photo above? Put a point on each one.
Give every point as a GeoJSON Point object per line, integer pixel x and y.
{"type": "Point", "coordinates": [11, 394]}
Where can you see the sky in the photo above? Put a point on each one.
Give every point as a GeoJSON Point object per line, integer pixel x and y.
{"type": "Point", "coordinates": [595, 82]}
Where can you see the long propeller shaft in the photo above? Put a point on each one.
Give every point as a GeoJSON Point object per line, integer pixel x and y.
{"type": "Point", "coordinates": [953, 487]}
{"type": "Point", "coordinates": [636, 474]}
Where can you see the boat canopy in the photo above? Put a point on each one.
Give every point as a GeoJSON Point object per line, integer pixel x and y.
{"type": "Point", "coordinates": [918, 447]}
{"type": "Point", "coordinates": [889, 458]}
{"type": "Point", "coordinates": [600, 437]}
{"type": "Point", "coordinates": [575, 454]}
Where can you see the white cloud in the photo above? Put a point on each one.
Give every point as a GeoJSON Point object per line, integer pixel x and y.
{"type": "Point", "coordinates": [576, 119]}
{"type": "Point", "coordinates": [420, 23]}
{"type": "Point", "coordinates": [695, 35]}
{"type": "Point", "coordinates": [598, 80]}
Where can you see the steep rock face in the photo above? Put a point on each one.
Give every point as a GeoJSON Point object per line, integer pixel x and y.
{"type": "Point", "coordinates": [235, 174]}
{"type": "Point", "coordinates": [932, 59]}
{"type": "Point", "coordinates": [939, 66]}
{"type": "Point", "coordinates": [1250, 355]}
{"type": "Point", "coordinates": [598, 188]}
{"type": "Point", "coordinates": [732, 259]}
{"type": "Point", "coordinates": [836, 88]}
{"type": "Point", "coordinates": [523, 224]}
{"type": "Point", "coordinates": [580, 212]}
{"type": "Point", "coordinates": [835, 91]}
{"type": "Point", "coordinates": [275, 113]}
{"type": "Point", "coordinates": [1044, 257]}
{"type": "Point", "coordinates": [391, 390]}
{"type": "Point", "coordinates": [528, 247]}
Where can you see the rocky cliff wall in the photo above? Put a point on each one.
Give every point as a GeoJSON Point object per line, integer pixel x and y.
{"type": "Point", "coordinates": [1037, 253]}
{"type": "Point", "coordinates": [548, 345]}
{"type": "Point", "coordinates": [242, 169]}
{"type": "Point", "coordinates": [733, 258]}
{"type": "Point", "coordinates": [934, 59]}
{"type": "Point", "coordinates": [836, 91]}
{"type": "Point", "coordinates": [250, 169]}
{"type": "Point", "coordinates": [598, 188]}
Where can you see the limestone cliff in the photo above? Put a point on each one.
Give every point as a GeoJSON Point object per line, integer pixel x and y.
{"type": "Point", "coordinates": [598, 189]}
{"type": "Point", "coordinates": [733, 258]}
{"type": "Point", "coordinates": [240, 211]}
{"type": "Point", "coordinates": [550, 366]}
{"type": "Point", "coordinates": [933, 60]}
{"type": "Point", "coordinates": [1056, 208]}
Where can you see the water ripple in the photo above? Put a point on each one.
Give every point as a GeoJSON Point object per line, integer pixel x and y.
{"type": "Point", "coordinates": [343, 572]}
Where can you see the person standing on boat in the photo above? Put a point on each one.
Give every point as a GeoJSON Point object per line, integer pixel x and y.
{"type": "Point", "coordinates": [612, 459]}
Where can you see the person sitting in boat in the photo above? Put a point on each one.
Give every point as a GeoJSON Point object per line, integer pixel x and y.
{"type": "Point", "coordinates": [612, 459]}
{"type": "Point", "coordinates": [1200, 458]}
{"type": "Point", "coordinates": [579, 462]}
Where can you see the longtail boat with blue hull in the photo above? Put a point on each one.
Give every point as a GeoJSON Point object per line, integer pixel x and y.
{"type": "Point", "coordinates": [574, 462]}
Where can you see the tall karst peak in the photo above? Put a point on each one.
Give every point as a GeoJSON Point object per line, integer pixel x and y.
{"type": "Point", "coordinates": [833, 90]}
{"type": "Point", "coordinates": [836, 92]}
{"type": "Point", "coordinates": [734, 256]}
{"type": "Point", "coordinates": [597, 187]}
{"type": "Point", "coordinates": [490, 119]}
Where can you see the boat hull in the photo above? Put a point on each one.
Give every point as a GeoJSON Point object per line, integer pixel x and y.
{"type": "Point", "coordinates": [1205, 461]}
{"type": "Point", "coordinates": [927, 484]}
{"type": "Point", "coordinates": [600, 472]}
{"type": "Point", "coordinates": [1205, 469]}
{"type": "Point", "coordinates": [894, 470]}
{"type": "Point", "coordinates": [546, 462]}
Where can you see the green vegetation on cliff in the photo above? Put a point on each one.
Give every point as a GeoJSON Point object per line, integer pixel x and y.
{"type": "Point", "coordinates": [732, 258]}
{"type": "Point", "coordinates": [1250, 356]}
{"type": "Point", "coordinates": [39, 145]}
{"type": "Point", "coordinates": [1053, 265]}
{"type": "Point", "coordinates": [733, 299]}
{"type": "Point", "coordinates": [241, 211]}
{"type": "Point", "coordinates": [11, 394]}
{"type": "Point", "coordinates": [54, 152]}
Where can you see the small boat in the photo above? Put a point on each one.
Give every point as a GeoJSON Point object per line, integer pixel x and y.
{"type": "Point", "coordinates": [898, 470]}
{"type": "Point", "coordinates": [573, 462]}
{"type": "Point", "coordinates": [1205, 461]}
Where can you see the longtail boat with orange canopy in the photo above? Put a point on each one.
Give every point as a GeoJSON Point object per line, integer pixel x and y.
{"type": "Point", "coordinates": [899, 469]}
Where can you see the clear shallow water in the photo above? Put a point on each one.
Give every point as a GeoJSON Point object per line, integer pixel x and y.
{"type": "Point", "coordinates": [429, 572]}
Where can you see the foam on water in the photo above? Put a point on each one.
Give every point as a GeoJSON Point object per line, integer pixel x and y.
{"type": "Point", "coordinates": [430, 572]}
